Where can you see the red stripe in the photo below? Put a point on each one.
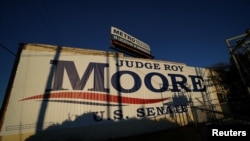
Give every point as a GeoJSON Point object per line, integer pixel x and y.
{"type": "Point", "coordinates": [95, 96]}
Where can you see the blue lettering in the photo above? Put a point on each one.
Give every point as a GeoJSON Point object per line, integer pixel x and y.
{"type": "Point", "coordinates": [148, 83]}
{"type": "Point", "coordinates": [116, 83]}
{"type": "Point", "coordinates": [75, 81]}
{"type": "Point", "coordinates": [178, 81]}
{"type": "Point", "coordinates": [197, 83]}
{"type": "Point", "coordinates": [182, 83]}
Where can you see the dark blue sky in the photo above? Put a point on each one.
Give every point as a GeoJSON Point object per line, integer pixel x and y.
{"type": "Point", "coordinates": [191, 32]}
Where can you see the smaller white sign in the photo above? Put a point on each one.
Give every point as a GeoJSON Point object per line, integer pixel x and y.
{"type": "Point", "coordinates": [129, 40]}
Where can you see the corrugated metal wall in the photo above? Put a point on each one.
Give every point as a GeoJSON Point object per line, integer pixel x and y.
{"type": "Point", "coordinates": [69, 90]}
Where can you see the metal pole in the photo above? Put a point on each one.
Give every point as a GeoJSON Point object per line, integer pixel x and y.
{"type": "Point", "coordinates": [231, 51]}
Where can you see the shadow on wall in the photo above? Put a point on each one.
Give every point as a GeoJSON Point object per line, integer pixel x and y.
{"type": "Point", "coordinates": [87, 126]}
{"type": "Point", "coordinates": [92, 127]}
{"type": "Point", "coordinates": [80, 129]}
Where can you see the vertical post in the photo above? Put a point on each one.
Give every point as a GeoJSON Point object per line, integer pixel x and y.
{"type": "Point", "coordinates": [231, 51]}
{"type": "Point", "coordinates": [161, 85]}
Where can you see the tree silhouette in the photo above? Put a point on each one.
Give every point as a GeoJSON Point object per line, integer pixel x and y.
{"type": "Point", "coordinates": [229, 78]}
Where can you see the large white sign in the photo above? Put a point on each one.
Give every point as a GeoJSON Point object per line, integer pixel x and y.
{"type": "Point", "coordinates": [54, 86]}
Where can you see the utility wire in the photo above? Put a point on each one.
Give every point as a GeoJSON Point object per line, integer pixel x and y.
{"type": "Point", "coordinates": [47, 14]}
{"type": "Point", "coordinates": [7, 49]}
{"type": "Point", "coordinates": [43, 20]}
{"type": "Point", "coordinates": [42, 13]}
